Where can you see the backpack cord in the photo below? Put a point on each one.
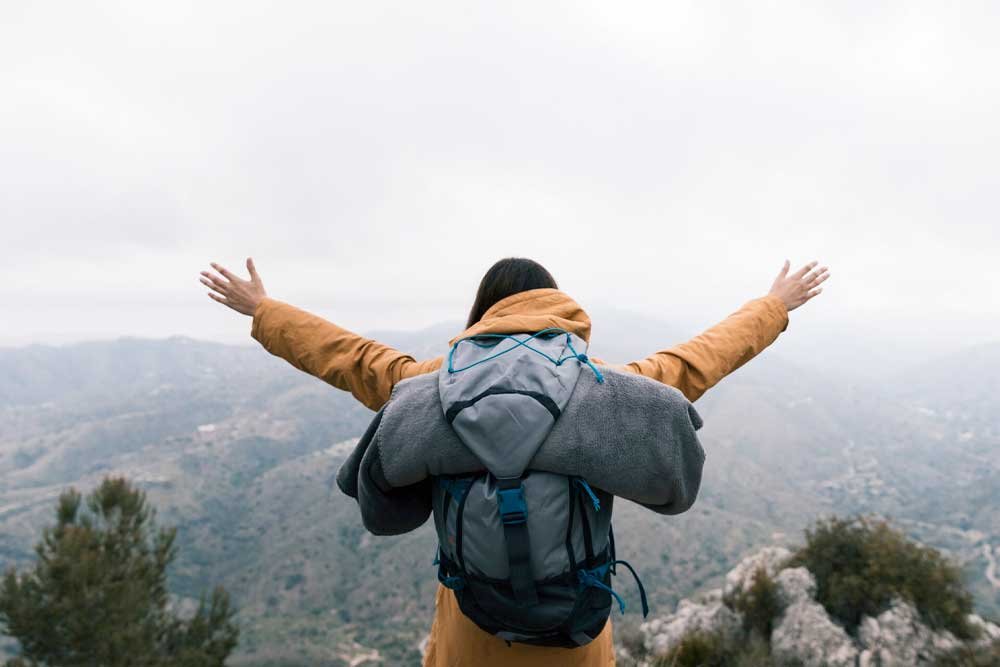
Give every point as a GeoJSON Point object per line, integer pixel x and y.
{"type": "Point", "coordinates": [518, 342]}
{"type": "Point", "coordinates": [593, 577]}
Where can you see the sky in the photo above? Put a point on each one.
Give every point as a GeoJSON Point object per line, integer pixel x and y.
{"type": "Point", "coordinates": [376, 158]}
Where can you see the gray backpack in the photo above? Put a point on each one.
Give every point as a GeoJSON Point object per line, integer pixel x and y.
{"type": "Point", "coordinates": [529, 554]}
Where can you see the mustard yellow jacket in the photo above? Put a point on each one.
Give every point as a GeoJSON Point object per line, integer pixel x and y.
{"type": "Point", "coordinates": [369, 370]}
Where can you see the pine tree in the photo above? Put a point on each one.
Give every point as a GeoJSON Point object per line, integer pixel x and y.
{"type": "Point", "coordinates": [97, 593]}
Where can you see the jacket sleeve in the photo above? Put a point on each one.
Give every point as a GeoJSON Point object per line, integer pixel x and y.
{"type": "Point", "coordinates": [366, 368]}
{"type": "Point", "coordinates": [697, 365]}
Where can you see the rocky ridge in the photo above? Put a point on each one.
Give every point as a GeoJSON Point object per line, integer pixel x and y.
{"type": "Point", "coordinates": [804, 633]}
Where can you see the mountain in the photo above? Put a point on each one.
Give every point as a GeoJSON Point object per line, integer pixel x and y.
{"type": "Point", "coordinates": [237, 448]}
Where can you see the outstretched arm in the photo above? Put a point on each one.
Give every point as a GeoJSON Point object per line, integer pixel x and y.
{"type": "Point", "coordinates": [697, 365]}
{"type": "Point", "coordinates": [366, 368]}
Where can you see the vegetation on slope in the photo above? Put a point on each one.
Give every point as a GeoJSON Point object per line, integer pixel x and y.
{"type": "Point", "coordinates": [861, 564]}
{"type": "Point", "coordinates": [711, 650]}
{"type": "Point", "coordinates": [97, 593]}
{"type": "Point", "coordinates": [759, 604]}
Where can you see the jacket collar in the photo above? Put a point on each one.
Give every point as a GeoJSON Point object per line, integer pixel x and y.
{"type": "Point", "coordinates": [531, 311]}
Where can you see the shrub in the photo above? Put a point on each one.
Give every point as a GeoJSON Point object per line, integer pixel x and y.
{"type": "Point", "coordinates": [860, 564]}
{"type": "Point", "coordinates": [759, 604]}
{"type": "Point", "coordinates": [756, 652]}
{"type": "Point", "coordinates": [700, 649]}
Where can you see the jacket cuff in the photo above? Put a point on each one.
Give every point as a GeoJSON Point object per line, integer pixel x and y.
{"type": "Point", "coordinates": [259, 314]}
{"type": "Point", "coordinates": [779, 309]}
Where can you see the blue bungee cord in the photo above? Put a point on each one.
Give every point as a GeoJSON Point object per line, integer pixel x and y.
{"type": "Point", "coordinates": [518, 342]}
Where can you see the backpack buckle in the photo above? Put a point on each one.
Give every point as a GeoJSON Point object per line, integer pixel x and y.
{"type": "Point", "coordinates": [513, 509]}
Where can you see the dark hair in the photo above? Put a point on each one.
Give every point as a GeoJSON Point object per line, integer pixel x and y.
{"type": "Point", "coordinates": [508, 276]}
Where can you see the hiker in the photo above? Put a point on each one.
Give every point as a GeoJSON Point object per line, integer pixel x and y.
{"type": "Point", "coordinates": [516, 296]}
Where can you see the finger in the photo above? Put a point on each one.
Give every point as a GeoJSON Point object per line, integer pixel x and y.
{"type": "Point", "coordinates": [810, 294]}
{"type": "Point", "coordinates": [784, 269]}
{"type": "Point", "coordinates": [252, 268]}
{"type": "Point", "coordinates": [217, 288]}
{"type": "Point", "coordinates": [813, 275]}
{"type": "Point", "coordinates": [820, 279]}
{"type": "Point", "coordinates": [797, 275]}
{"type": "Point", "coordinates": [218, 298]}
{"type": "Point", "coordinates": [215, 279]}
{"type": "Point", "coordinates": [224, 271]}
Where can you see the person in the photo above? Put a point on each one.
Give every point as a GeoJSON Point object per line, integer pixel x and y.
{"type": "Point", "coordinates": [516, 295]}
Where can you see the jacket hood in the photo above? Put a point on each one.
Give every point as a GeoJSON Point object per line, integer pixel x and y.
{"type": "Point", "coordinates": [532, 311]}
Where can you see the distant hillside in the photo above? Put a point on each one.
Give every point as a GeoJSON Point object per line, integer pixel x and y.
{"type": "Point", "coordinates": [236, 447]}
{"type": "Point", "coordinates": [962, 386]}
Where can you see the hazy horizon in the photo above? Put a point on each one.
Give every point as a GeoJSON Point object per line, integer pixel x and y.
{"type": "Point", "coordinates": [831, 352]}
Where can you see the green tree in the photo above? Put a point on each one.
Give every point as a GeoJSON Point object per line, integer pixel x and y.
{"type": "Point", "coordinates": [97, 593]}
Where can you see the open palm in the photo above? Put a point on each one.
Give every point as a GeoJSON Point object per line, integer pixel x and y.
{"type": "Point", "coordinates": [801, 286]}
{"type": "Point", "coordinates": [231, 290]}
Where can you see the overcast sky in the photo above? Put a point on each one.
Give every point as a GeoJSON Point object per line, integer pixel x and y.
{"type": "Point", "coordinates": [376, 158]}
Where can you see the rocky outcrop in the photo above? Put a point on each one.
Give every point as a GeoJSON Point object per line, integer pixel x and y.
{"type": "Point", "coordinates": [989, 633]}
{"type": "Point", "coordinates": [795, 584]}
{"type": "Point", "coordinates": [771, 559]}
{"type": "Point", "coordinates": [804, 634]}
{"type": "Point", "coordinates": [709, 615]}
{"type": "Point", "coordinates": [896, 637]}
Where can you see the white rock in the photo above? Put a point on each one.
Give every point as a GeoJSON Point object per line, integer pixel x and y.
{"type": "Point", "coordinates": [740, 577]}
{"type": "Point", "coordinates": [897, 637]}
{"type": "Point", "coordinates": [988, 632]}
{"type": "Point", "coordinates": [805, 635]}
{"type": "Point", "coordinates": [795, 584]}
{"type": "Point", "coordinates": [662, 634]}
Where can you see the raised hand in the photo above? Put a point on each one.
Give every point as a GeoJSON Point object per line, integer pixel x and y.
{"type": "Point", "coordinates": [801, 286]}
{"type": "Point", "coordinates": [231, 290]}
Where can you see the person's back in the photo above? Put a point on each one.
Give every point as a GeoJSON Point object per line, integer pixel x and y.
{"type": "Point", "coordinates": [516, 295]}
